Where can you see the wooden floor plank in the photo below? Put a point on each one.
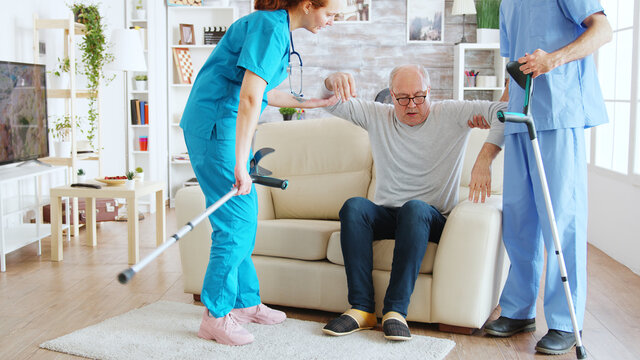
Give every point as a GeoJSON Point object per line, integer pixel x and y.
{"type": "Point", "coordinates": [41, 300]}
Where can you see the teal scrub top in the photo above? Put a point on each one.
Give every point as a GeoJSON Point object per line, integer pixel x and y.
{"type": "Point", "coordinates": [569, 96]}
{"type": "Point", "coordinates": [258, 42]}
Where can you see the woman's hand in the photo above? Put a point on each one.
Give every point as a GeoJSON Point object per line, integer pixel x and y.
{"type": "Point", "coordinates": [243, 180]}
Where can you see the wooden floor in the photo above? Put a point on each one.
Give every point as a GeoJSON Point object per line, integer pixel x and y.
{"type": "Point", "coordinates": [41, 300]}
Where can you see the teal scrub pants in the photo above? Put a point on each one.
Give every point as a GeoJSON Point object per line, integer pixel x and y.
{"type": "Point", "coordinates": [231, 280]}
{"type": "Point", "coordinates": [526, 226]}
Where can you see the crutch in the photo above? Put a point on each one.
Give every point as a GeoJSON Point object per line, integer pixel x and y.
{"type": "Point", "coordinates": [526, 82]}
{"type": "Point", "coordinates": [257, 175]}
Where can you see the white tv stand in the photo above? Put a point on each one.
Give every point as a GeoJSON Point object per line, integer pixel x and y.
{"type": "Point", "coordinates": [14, 232]}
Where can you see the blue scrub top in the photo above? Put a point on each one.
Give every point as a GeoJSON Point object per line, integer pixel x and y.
{"type": "Point", "coordinates": [258, 42]}
{"type": "Point", "coordinates": [569, 96]}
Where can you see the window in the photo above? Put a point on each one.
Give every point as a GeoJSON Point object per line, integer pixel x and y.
{"type": "Point", "coordinates": [615, 146]}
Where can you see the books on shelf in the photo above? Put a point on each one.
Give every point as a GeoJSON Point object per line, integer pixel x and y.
{"type": "Point", "coordinates": [139, 112]}
{"type": "Point", "coordinates": [180, 157]}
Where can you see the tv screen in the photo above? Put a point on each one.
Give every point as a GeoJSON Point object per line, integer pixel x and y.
{"type": "Point", "coordinates": [23, 112]}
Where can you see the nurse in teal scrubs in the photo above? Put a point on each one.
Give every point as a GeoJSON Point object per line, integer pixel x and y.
{"type": "Point", "coordinates": [230, 92]}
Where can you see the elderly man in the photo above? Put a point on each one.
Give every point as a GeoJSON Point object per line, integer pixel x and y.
{"type": "Point", "coordinates": [417, 147]}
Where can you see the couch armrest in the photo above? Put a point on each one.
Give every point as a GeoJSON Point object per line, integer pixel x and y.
{"type": "Point", "coordinates": [470, 266]}
{"type": "Point", "coordinates": [265, 203]}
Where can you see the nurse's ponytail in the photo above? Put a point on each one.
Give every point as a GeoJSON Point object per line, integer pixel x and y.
{"type": "Point", "coordinates": [285, 4]}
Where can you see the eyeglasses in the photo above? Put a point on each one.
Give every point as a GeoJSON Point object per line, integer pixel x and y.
{"type": "Point", "coordinates": [417, 100]}
{"type": "Point", "coordinates": [294, 70]}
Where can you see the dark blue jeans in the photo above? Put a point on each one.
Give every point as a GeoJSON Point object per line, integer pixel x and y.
{"type": "Point", "coordinates": [412, 226]}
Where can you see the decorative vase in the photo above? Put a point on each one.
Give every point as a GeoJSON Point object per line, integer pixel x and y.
{"type": "Point", "coordinates": [82, 178]}
{"type": "Point", "coordinates": [141, 14]}
{"type": "Point", "coordinates": [141, 85]}
{"type": "Point", "coordinates": [487, 36]}
{"type": "Point", "coordinates": [140, 176]}
{"type": "Point", "coordinates": [62, 148]}
{"type": "Point", "coordinates": [286, 117]}
{"type": "Point", "coordinates": [130, 184]}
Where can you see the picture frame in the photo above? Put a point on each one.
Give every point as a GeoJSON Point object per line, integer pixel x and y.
{"type": "Point", "coordinates": [187, 36]}
{"type": "Point", "coordinates": [183, 64]}
{"type": "Point", "coordinates": [425, 21]}
{"type": "Point", "coordinates": [355, 12]}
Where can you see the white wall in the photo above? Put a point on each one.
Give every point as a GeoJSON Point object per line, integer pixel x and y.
{"type": "Point", "coordinates": [16, 37]}
{"type": "Point", "coordinates": [614, 218]}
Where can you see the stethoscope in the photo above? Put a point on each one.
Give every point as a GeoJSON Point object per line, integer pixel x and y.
{"type": "Point", "coordinates": [298, 95]}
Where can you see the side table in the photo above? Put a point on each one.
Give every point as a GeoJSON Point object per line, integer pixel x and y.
{"type": "Point", "coordinates": [131, 196]}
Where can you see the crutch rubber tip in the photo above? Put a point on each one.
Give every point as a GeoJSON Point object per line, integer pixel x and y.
{"type": "Point", "coordinates": [581, 352]}
{"type": "Point", "coordinates": [284, 185]}
{"type": "Point", "coordinates": [126, 275]}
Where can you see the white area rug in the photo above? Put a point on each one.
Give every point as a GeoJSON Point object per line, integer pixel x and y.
{"type": "Point", "coordinates": [168, 330]}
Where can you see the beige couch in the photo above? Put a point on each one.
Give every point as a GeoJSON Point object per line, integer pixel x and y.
{"type": "Point", "coordinates": [297, 253]}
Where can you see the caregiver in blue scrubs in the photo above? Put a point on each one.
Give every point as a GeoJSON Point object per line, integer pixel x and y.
{"type": "Point", "coordinates": [230, 92]}
{"type": "Point", "coordinates": [553, 41]}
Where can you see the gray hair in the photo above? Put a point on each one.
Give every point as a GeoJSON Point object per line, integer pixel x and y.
{"type": "Point", "coordinates": [425, 75]}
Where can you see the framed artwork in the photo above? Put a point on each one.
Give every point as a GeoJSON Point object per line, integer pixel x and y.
{"type": "Point", "coordinates": [186, 34]}
{"type": "Point", "coordinates": [425, 21]}
{"type": "Point", "coordinates": [184, 2]}
{"type": "Point", "coordinates": [355, 11]}
{"type": "Point", "coordinates": [184, 66]}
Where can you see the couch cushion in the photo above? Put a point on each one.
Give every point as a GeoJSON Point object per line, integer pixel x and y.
{"type": "Point", "coordinates": [294, 238]}
{"type": "Point", "coordinates": [382, 254]}
{"type": "Point", "coordinates": [326, 161]}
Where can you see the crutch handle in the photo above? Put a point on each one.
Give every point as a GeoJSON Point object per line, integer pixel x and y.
{"type": "Point", "coordinates": [518, 118]}
{"type": "Point", "coordinates": [269, 181]}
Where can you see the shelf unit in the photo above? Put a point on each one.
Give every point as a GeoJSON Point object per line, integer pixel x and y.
{"type": "Point", "coordinates": [70, 29]}
{"type": "Point", "coordinates": [15, 233]}
{"type": "Point", "coordinates": [468, 55]}
{"type": "Point", "coordinates": [180, 171]}
{"type": "Point", "coordinates": [135, 156]}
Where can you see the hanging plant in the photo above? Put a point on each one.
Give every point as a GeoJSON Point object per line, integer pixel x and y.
{"type": "Point", "coordinates": [95, 55]}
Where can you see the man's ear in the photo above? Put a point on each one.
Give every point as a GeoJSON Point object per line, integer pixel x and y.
{"type": "Point", "coordinates": [307, 6]}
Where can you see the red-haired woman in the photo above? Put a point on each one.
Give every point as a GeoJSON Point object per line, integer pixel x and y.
{"type": "Point", "coordinates": [230, 92]}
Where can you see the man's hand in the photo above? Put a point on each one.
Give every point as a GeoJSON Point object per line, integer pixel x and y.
{"type": "Point", "coordinates": [478, 122]}
{"type": "Point", "coordinates": [480, 184]}
{"type": "Point", "coordinates": [538, 63]}
{"type": "Point", "coordinates": [342, 84]}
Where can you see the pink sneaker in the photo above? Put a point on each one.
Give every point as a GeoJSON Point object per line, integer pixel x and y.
{"type": "Point", "coordinates": [260, 314]}
{"type": "Point", "coordinates": [224, 330]}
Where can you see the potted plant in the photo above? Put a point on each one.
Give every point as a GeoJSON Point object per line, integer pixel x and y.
{"type": "Point", "coordinates": [95, 55]}
{"type": "Point", "coordinates": [131, 182]}
{"type": "Point", "coordinates": [141, 82]}
{"type": "Point", "coordinates": [140, 12]}
{"type": "Point", "coordinates": [488, 19]}
{"type": "Point", "coordinates": [82, 177]}
{"type": "Point", "coordinates": [287, 112]}
{"type": "Point", "coordinates": [60, 74]}
{"type": "Point", "coordinates": [139, 174]}
{"type": "Point", "coordinates": [61, 134]}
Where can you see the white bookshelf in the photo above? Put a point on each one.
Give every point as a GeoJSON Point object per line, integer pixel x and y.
{"type": "Point", "coordinates": [463, 54]}
{"type": "Point", "coordinates": [180, 171]}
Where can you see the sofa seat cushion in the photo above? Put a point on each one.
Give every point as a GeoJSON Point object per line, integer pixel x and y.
{"type": "Point", "coordinates": [382, 254]}
{"type": "Point", "coordinates": [294, 238]}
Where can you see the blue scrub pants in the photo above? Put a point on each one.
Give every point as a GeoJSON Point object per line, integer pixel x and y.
{"type": "Point", "coordinates": [412, 226]}
{"type": "Point", "coordinates": [526, 225]}
{"type": "Point", "coordinates": [231, 280]}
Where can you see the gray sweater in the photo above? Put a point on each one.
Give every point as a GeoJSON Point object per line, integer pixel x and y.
{"type": "Point", "coordinates": [422, 162]}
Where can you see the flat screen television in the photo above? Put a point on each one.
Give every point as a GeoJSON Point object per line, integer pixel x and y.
{"type": "Point", "coordinates": [23, 112]}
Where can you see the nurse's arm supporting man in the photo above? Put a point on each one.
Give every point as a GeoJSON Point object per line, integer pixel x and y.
{"type": "Point", "coordinates": [253, 87]}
